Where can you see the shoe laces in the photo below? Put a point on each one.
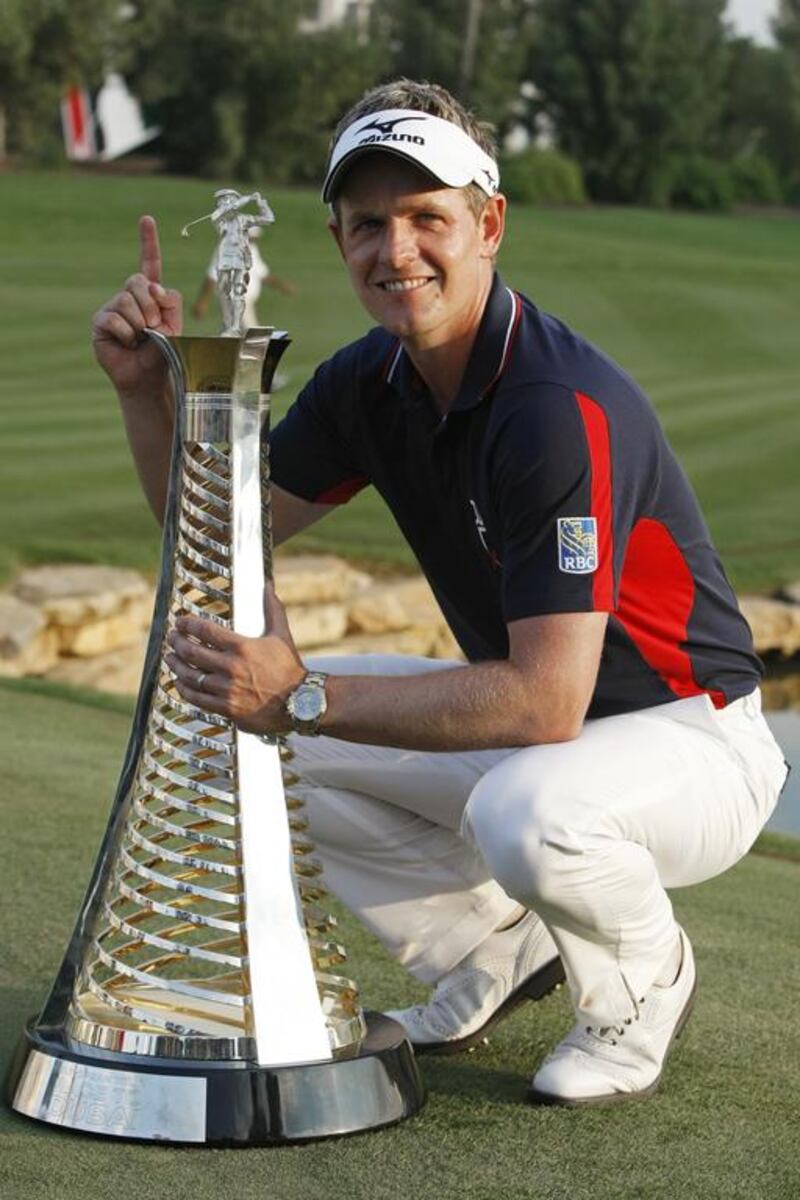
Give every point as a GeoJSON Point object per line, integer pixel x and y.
{"type": "Point", "coordinates": [610, 1034]}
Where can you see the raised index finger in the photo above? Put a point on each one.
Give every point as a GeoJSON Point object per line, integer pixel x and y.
{"type": "Point", "coordinates": [149, 249]}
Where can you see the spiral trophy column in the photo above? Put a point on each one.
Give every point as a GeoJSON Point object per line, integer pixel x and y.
{"type": "Point", "coordinates": [201, 998]}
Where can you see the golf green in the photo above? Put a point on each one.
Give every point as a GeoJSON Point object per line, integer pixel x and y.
{"type": "Point", "coordinates": [722, 1127]}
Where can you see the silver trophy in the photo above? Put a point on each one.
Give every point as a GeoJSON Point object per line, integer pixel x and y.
{"type": "Point", "coordinates": [201, 998]}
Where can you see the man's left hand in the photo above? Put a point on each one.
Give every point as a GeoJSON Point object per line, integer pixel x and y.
{"type": "Point", "coordinates": [243, 678]}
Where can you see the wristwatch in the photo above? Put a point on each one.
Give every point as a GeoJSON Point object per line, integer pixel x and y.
{"type": "Point", "coordinates": [307, 704]}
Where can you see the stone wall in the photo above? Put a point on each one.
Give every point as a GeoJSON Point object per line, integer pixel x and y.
{"type": "Point", "coordinates": [88, 625]}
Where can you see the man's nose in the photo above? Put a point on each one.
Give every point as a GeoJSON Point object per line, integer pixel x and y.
{"type": "Point", "coordinates": [398, 245]}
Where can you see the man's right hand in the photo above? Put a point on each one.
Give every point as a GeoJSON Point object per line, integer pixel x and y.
{"type": "Point", "coordinates": [133, 363]}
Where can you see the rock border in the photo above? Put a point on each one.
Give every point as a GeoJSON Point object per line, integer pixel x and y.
{"type": "Point", "coordinates": [89, 625]}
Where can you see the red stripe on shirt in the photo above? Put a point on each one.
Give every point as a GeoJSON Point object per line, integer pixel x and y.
{"type": "Point", "coordinates": [656, 598]}
{"type": "Point", "coordinates": [340, 493]}
{"type": "Point", "coordinates": [595, 425]}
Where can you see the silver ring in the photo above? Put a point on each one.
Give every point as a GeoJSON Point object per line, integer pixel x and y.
{"type": "Point", "coordinates": [201, 678]}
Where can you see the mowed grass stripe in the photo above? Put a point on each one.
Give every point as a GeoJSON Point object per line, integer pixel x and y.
{"type": "Point", "coordinates": [62, 419]}
{"type": "Point", "coordinates": [668, 395]}
{"type": "Point", "coordinates": [62, 441]}
{"type": "Point", "coordinates": [697, 338]}
{"type": "Point", "coordinates": [701, 310]}
{"type": "Point", "coordinates": [752, 448]}
{"type": "Point", "coordinates": [70, 355]}
{"type": "Point", "coordinates": [706, 417]}
{"type": "Point", "coordinates": [621, 235]}
{"type": "Point", "coordinates": [55, 465]}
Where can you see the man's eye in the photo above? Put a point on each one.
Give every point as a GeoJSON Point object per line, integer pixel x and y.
{"type": "Point", "coordinates": [366, 224]}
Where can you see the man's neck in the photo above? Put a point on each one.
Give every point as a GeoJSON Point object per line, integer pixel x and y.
{"type": "Point", "coordinates": [442, 364]}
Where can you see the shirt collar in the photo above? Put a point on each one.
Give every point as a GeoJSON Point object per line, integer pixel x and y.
{"type": "Point", "coordinates": [488, 357]}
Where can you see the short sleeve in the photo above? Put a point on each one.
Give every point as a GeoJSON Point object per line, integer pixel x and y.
{"type": "Point", "coordinates": [551, 474]}
{"type": "Point", "coordinates": [312, 450]}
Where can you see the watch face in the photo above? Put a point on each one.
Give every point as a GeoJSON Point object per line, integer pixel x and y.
{"type": "Point", "coordinates": [307, 703]}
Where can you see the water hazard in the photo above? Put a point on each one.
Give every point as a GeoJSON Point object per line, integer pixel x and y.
{"type": "Point", "coordinates": [782, 710]}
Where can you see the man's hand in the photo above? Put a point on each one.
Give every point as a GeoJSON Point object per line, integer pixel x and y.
{"type": "Point", "coordinates": [245, 679]}
{"type": "Point", "coordinates": [135, 366]}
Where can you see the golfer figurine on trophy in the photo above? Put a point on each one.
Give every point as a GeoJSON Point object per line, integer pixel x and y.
{"type": "Point", "coordinates": [234, 256]}
{"type": "Point", "coordinates": [201, 998]}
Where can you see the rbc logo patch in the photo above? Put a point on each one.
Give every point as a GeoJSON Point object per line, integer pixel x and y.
{"type": "Point", "coordinates": [577, 545]}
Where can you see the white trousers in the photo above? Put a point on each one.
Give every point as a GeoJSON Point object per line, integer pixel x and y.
{"type": "Point", "coordinates": [433, 850]}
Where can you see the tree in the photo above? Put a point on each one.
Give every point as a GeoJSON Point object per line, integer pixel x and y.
{"type": "Point", "coordinates": [476, 50]}
{"type": "Point", "coordinates": [240, 91]}
{"type": "Point", "coordinates": [786, 27]}
{"type": "Point", "coordinates": [46, 45]}
{"type": "Point", "coordinates": [15, 47]}
{"type": "Point", "coordinates": [759, 119]}
{"type": "Point", "coordinates": [787, 32]}
{"type": "Point", "coordinates": [630, 85]}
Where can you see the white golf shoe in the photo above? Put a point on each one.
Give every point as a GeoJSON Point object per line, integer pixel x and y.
{"type": "Point", "coordinates": [511, 966]}
{"type": "Point", "coordinates": [621, 1062]}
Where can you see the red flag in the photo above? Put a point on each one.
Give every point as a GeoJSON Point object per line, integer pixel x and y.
{"type": "Point", "coordinates": [78, 125]}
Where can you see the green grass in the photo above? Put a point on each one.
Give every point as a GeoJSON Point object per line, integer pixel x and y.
{"type": "Point", "coordinates": [778, 845]}
{"type": "Point", "coordinates": [723, 1126]}
{"type": "Point", "coordinates": [701, 309]}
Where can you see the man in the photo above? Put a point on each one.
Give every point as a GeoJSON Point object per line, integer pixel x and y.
{"type": "Point", "coordinates": [498, 822]}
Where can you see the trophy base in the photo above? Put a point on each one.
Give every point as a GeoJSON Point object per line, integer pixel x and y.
{"type": "Point", "coordinates": [216, 1103]}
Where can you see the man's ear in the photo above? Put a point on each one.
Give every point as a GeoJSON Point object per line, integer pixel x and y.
{"type": "Point", "coordinates": [492, 223]}
{"type": "Point", "coordinates": [336, 231]}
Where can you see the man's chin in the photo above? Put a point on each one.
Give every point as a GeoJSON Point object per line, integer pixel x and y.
{"type": "Point", "coordinates": [404, 323]}
{"type": "Point", "coordinates": [398, 327]}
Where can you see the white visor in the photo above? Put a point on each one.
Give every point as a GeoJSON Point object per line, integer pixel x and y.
{"type": "Point", "coordinates": [439, 147]}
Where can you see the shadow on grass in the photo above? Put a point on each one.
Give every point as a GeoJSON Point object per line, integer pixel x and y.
{"type": "Point", "coordinates": [472, 1080]}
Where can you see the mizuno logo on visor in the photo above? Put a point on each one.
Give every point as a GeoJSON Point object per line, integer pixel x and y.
{"type": "Point", "coordinates": [386, 126]}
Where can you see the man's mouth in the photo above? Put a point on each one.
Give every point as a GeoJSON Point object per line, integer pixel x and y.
{"type": "Point", "coordinates": [403, 285]}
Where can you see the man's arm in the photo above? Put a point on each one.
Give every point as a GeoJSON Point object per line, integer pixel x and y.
{"type": "Point", "coordinates": [539, 694]}
{"type": "Point", "coordinates": [291, 514]}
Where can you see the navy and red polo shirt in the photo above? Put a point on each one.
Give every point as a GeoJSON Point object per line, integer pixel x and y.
{"type": "Point", "coordinates": [548, 487]}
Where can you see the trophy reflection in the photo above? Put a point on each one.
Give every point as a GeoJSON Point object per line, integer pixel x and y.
{"type": "Point", "coordinates": [201, 998]}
